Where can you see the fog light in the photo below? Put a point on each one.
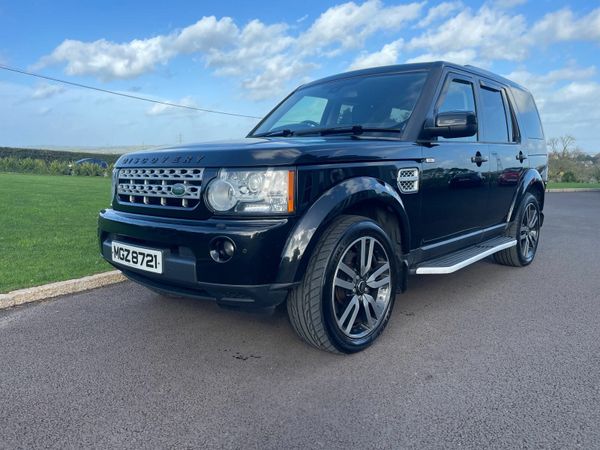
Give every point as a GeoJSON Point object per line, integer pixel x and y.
{"type": "Point", "coordinates": [221, 249]}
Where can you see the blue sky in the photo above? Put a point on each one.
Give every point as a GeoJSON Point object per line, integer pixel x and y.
{"type": "Point", "coordinates": [245, 56]}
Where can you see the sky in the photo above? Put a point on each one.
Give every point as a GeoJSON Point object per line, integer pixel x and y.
{"type": "Point", "coordinates": [245, 56]}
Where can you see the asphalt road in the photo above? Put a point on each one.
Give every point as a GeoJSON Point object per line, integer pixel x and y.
{"type": "Point", "coordinates": [488, 357]}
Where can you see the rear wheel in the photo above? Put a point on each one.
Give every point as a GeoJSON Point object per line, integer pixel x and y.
{"type": "Point", "coordinates": [526, 230]}
{"type": "Point", "coordinates": [345, 300]}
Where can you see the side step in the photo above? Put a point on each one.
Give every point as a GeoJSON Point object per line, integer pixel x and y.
{"type": "Point", "coordinates": [462, 258]}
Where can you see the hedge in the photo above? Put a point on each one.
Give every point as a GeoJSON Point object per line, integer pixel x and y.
{"type": "Point", "coordinates": [54, 167]}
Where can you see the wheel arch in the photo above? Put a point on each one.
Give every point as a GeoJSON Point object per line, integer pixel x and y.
{"type": "Point", "coordinates": [530, 182]}
{"type": "Point", "coordinates": [365, 196]}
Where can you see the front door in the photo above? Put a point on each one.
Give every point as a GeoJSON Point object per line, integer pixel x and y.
{"type": "Point", "coordinates": [454, 186]}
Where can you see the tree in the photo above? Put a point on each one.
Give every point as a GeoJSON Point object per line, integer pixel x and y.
{"type": "Point", "coordinates": [562, 146]}
{"type": "Point", "coordinates": [569, 177]}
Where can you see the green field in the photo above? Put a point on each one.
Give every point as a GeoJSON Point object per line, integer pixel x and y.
{"type": "Point", "coordinates": [48, 228]}
{"type": "Point", "coordinates": [573, 185]}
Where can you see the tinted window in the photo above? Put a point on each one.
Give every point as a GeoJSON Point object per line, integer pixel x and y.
{"type": "Point", "coordinates": [306, 109]}
{"type": "Point", "coordinates": [459, 97]}
{"type": "Point", "coordinates": [494, 116]}
{"type": "Point", "coordinates": [528, 114]}
{"type": "Point", "coordinates": [376, 101]}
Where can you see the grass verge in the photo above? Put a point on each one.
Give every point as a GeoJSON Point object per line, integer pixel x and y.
{"type": "Point", "coordinates": [573, 186]}
{"type": "Point", "coordinates": [48, 228]}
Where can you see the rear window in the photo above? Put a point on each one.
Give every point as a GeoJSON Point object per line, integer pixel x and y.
{"type": "Point", "coordinates": [529, 116]}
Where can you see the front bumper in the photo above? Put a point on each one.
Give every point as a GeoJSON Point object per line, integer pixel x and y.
{"type": "Point", "coordinates": [248, 279]}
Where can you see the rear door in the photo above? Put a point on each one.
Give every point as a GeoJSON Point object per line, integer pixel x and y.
{"type": "Point", "coordinates": [499, 130]}
{"type": "Point", "coordinates": [454, 186]}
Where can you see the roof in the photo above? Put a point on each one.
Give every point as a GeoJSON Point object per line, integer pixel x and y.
{"type": "Point", "coordinates": [418, 66]}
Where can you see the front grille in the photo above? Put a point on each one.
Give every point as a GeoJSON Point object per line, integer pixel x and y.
{"type": "Point", "coordinates": [179, 188]}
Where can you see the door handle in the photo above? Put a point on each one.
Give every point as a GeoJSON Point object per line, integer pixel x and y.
{"type": "Point", "coordinates": [478, 159]}
{"type": "Point", "coordinates": [521, 157]}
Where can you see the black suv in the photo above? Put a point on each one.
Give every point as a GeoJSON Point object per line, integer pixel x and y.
{"type": "Point", "coordinates": [349, 185]}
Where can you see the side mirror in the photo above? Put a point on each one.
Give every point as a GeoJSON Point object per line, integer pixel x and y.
{"type": "Point", "coordinates": [451, 124]}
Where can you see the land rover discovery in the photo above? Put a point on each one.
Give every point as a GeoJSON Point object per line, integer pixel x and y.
{"type": "Point", "coordinates": [348, 186]}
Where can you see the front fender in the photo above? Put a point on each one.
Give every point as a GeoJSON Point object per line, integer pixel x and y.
{"type": "Point", "coordinates": [531, 181]}
{"type": "Point", "coordinates": [309, 229]}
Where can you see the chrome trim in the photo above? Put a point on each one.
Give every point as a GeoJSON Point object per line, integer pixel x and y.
{"type": "Point", "coordinates": [408, 180]}
{"type": "Point", "coordinates": [154, 186]}
{"type": "Point", "coordinates": [162, 174]}
{"type": "Point", "coordinates": [147, 190]}
{"type": "Point", "coordinates": [466, 262]}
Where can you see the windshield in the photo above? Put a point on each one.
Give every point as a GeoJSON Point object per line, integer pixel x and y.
{"type": "Point", "coordinates": [370, 103]}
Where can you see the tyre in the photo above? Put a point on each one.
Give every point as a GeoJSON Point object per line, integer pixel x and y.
{"type": "Point", "coordinates": [346, 297]}
{"type": "Point", "coordinates": [526, 230]}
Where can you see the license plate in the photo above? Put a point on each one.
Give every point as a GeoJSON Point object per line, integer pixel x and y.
{"type": "Point", "coordinates": [137, 257]}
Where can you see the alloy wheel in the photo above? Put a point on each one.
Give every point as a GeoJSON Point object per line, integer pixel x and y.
{"type": "Point", "coordinates": [362, 288]}
{"type": "Point", "coordinates": [529, 233]}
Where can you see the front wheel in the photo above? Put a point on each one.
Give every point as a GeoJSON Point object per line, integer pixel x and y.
{"type": "Point", "coordinates": [347, 294]}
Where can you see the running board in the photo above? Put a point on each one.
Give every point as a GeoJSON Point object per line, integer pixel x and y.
{"type": "Point", "coordinates": [462, 258]}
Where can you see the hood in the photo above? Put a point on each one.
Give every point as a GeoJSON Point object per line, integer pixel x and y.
{"type": "Point", "coordinates": [255, 152]}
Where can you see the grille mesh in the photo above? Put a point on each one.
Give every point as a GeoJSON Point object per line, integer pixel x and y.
{"type": "Point", "coordinates": [178, 188]}
{"type": "Point", "coordinates": [408, 180]}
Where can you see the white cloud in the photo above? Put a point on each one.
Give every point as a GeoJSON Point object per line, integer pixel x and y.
{"type": "Point", "coordinates": [549, 80]}
{"type": "Point", "coordinates": [264, 57]}
{"type": "Point", "coordinates": [208, 33]}
{"type": "Point", "coordinates": [45, 90]}
{"type": "Point", "coordinates": [160, 109]}
{"type": "Point", "coordinates": [256, 44]}
{"type": "Point", "coordinates": [491, 33]}
{"type": "Point", "coordinates": [109, 60]}
{"type": "Point", "coordinates": [276, 71]}
{"type": "Point", "coordinates": [348, 25]}
{"type": "Point", "coordinates": [439, 12]}
{"type": "Point", "coordinates": [562, 25]}
{"type": "Point", "coordinates": [386, 56]}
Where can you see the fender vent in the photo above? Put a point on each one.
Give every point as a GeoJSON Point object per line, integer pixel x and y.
{"type": "Point", "coordinates": [408, 180]}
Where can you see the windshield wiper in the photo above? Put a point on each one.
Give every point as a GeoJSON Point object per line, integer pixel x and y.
{"type": "Point", "coordinates": [286, 132]}
{"type": "Point", "coordinates": [355, 130]}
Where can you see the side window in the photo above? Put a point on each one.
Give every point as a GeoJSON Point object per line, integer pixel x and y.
{"type": "Point", "coordinates": [528, 114]}
{"type": "Point", "coordinates": [307, 108]}
{"type": "Point", "coordinates": [494, 116]}
{"type": "Point", "coordinates": [459, 97]}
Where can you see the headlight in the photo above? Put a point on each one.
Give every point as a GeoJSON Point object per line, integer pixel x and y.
{"type": "Point", "coordinates": [263, 191]}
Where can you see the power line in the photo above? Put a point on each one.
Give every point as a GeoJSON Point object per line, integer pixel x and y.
{"type": "Point", "coordinates": [135, 97]}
